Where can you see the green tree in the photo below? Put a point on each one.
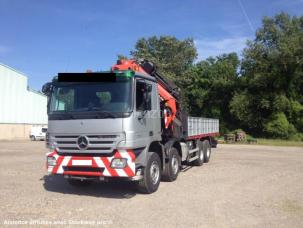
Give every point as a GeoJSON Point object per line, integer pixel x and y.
{"type": "Point", "coordinates": [171, 56]}
{"type": "Point", "coordinates": [272, 71]}
{"type": "Point", "coordinates": [279, 127]}
{"type": "Point", "coordinates": [210, 87]}
{"type": "Point", "coordinates": [120, 57]}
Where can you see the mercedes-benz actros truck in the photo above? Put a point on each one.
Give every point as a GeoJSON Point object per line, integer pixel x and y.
{"type": "Point", "coordinates": [125, 123]}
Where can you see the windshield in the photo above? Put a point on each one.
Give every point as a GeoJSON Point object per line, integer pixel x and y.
{"type": "Point", "coordinates": [109, 97]}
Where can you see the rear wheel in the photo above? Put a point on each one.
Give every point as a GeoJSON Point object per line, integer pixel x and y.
{"type": "Point", "coordinates": [151, 175]}
{"type": "Point", "coordinates": [172, 167]}
{"type": "Point", "coordinates": [200, 160]}
{"type": "Point", "coordinates": [207, 150]}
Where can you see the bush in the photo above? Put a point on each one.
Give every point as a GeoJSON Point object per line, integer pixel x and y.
{"type": "Point", "coordinates": [279, 127]}
{"type": "Point", "coordinates": [297, 137]}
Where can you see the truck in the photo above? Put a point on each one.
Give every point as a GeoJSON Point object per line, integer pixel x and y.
{"type": "Point", "coordinates": [126, 123]}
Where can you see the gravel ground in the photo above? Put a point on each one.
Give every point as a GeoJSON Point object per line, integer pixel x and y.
{"type": "Point", "coordinates": [242, 186]}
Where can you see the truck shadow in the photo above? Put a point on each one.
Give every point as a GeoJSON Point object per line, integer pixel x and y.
{"type": "Point", "coordinates": [117, 189]}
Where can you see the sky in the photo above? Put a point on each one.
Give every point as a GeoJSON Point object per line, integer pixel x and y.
{"type": "Point", "coordinates": [41, 38]}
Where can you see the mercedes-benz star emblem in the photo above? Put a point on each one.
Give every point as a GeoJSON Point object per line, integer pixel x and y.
{"type": "Point", "coordinates": [82, 142]}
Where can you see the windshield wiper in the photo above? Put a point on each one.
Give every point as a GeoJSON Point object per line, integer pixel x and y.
{"type": "Point", "coordinates": [102, 114]}
{"type": "Point", "coordinates": [105, 114]}
{"type": "Point", "coordinates": [64, 115]}
{"type": "Point", "coordinates": [71, 116]}
{"type": "Point", "coordinates": [93, 109]}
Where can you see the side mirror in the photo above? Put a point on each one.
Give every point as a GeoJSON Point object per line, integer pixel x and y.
{"type": "Point", "coordinates": [46, 88]}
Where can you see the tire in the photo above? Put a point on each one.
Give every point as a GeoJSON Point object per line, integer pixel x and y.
{"type": "Point", "coordinates": [200, 160]}
{"type": "Point", "coordinates": [33, 138]}
{"type": "Point", "coordinates": [79, 183]}
{"type": "Point", "coordinates": [151, 175]}
{"type": "Point", "coordinates": [207, 150]}
{"type": "Point", "coordinates": [172, 167]}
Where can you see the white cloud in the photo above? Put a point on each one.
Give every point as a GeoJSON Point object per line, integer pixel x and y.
{"type": "Point", "coordinates": [215, 47]}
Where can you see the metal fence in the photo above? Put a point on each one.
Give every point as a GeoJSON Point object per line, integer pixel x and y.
{"type": "Point", "coordinates": [198, 126]}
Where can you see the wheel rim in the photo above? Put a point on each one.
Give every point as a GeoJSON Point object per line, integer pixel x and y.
{"type": "Point", "coordinates": [174, 164]}
{"type": "Point", "coordinates": [154, 172]}
{"type": "Point", "coordinates": [208, 152]}
{"type": "Point", "coordinates": [201, 155]}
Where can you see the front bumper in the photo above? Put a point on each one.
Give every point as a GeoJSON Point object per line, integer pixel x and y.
{"type": "Point", "coordinates": [92, 166]}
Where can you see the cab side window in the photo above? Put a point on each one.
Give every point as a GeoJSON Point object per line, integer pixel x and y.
{"type": "Point", "coordinates": [143, 96]}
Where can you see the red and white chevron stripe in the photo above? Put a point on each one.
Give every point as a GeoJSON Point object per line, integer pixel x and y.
{"type": "Point", "coordinates": [93, 162]}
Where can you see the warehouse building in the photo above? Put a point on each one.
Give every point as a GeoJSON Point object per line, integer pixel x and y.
{"type": "Point", "coordinates": [20, 108]}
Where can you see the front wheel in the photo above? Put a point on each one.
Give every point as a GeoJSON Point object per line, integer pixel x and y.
{"type": "Point", "coordinates": [33, 138]}
{"type": "Point", "coordinates": [152, 174]}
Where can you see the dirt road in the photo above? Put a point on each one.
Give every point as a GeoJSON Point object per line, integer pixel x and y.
{"type": "Point", "coordinates": [242, 186]}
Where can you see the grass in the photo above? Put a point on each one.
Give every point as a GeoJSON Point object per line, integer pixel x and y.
{"type": "Point", "coordinates": [279, 142]}
{"type": "Point", "coordinates": [270, 142]}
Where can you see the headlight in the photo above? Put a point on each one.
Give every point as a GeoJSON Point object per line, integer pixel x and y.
{"type": "Point", "coordinates": [118, 163]}
{"type": "Point", "coordinates": [51, 148]}
{"type": "Point", "coordinates": [51, 161]}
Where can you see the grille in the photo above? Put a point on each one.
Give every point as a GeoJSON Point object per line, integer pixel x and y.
{"type": "Point", "coordinates": [96, 143]}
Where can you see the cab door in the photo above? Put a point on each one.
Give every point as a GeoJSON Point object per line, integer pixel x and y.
{"type": "Point", "coordinates": [143, 111]}
{"type": "Point", "coordinates": [147, 119]}
{"type": "Point", "coordinates": [144, 125]}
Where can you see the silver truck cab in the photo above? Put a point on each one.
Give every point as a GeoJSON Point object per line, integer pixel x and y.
{"type": "Point", "coordinates": [89, 123]}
